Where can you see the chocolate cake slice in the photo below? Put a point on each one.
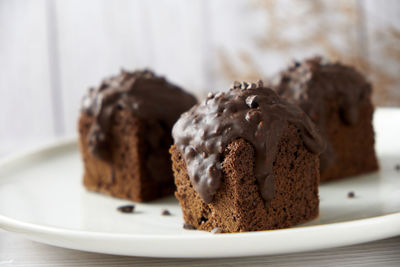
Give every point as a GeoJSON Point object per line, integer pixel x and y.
{"type": "Point", "coordinates": [338, 99]}
{"type": "Point", "coordinates": [245, 160]}
{"type": "Point", "coordinates": [125, 133]}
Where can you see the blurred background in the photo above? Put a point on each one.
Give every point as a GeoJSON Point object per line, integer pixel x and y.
{"type": "Point", "coordinates": [51, 51]}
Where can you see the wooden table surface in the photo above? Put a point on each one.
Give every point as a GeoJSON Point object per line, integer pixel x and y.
{"type": "Point", "coordinates": [16, 251]}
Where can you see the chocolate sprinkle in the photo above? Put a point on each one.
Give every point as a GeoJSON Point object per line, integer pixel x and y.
{"type": "Point", "coordinates": [313, 82]}
{"type": "Point", "coordinates": [351, 194]}
{"type": "Point", "coordinates": [127, 208]}
{"type": "Point", "coordinates": [188, 226]}
{"type": "Point", "coordinates": [258, 115]}
{"type": "Point", "coordinates": [146, 95]}
{"type": "Point", "coordinates": [165, 213]}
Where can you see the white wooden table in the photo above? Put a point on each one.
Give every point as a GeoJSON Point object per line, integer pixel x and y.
{"type": "Point", "coordinates": [16, 251]}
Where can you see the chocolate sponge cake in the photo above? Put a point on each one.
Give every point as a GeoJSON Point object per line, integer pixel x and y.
{"type": "Point", "coordinates": [338, 99]}
{"type": "Point", "coordinates": [125, 133]}
{"type": "Point", "coordinates": [245, 160]}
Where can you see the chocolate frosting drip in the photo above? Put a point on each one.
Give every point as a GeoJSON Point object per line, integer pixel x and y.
{"type": "Point", "coordinates": [248, 111]}
{"type": "Point", "coordinates": [315, 83]}
{"type": "Point", "coordinates": [146, 95]}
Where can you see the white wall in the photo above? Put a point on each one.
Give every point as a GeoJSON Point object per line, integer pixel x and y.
{"type": "Point", "coordinates": [52, 50]}
{"type": "Point", "coordinates": [26, 111]}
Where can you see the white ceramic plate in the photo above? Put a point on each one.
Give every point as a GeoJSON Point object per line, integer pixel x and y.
{"type": "Point", "coordinates": [41, 198]}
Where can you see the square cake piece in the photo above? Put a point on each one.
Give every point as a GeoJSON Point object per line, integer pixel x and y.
{"type": "Point", "coordinates": [245, 160]}
{"type": "Point", "coordinates": [338, 100]}
{"type": "Point", "coordinates": [125, 133]}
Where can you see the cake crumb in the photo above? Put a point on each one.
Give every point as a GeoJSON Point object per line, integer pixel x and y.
{"type": "Point", "coordinates": [217, 230]}
{"type": "Point", "coordinates": [188, 226]}
{"type": "Point", "coordinates": [351, 194]}
{"type": "Point", "coordinates": [165, 212]}
{"type": "Point", "coordinates": [126, 208]}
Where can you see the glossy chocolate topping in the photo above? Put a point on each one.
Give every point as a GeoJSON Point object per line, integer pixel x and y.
{"type": "Point", "coordinates": [148, 97]}
{"type": "Point", "coordinates": [249, 111]}
{"type": "Point", "coordinates": [314, 85]}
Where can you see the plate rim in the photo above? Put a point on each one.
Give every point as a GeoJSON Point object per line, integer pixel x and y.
{"type": "Point", "coordinates": [10, 223]}
{"type": "Point", "coordinates": [364, 229]}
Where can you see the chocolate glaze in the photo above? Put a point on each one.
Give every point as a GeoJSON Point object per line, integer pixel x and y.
{"type": "Point", "coordinates": [148, 97]}
{"type": "Point", "coordinates": [248, 111]}
{"type": "Point", "coordinates": [315, 83]}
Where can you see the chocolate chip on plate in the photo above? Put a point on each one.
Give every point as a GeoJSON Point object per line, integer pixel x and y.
{"type": "Point", "coordinates": [165, 212]}
{"type": "Point", "coordinates": [126, 208]}
{"type": "Point", "coordinates": [188, 226]}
